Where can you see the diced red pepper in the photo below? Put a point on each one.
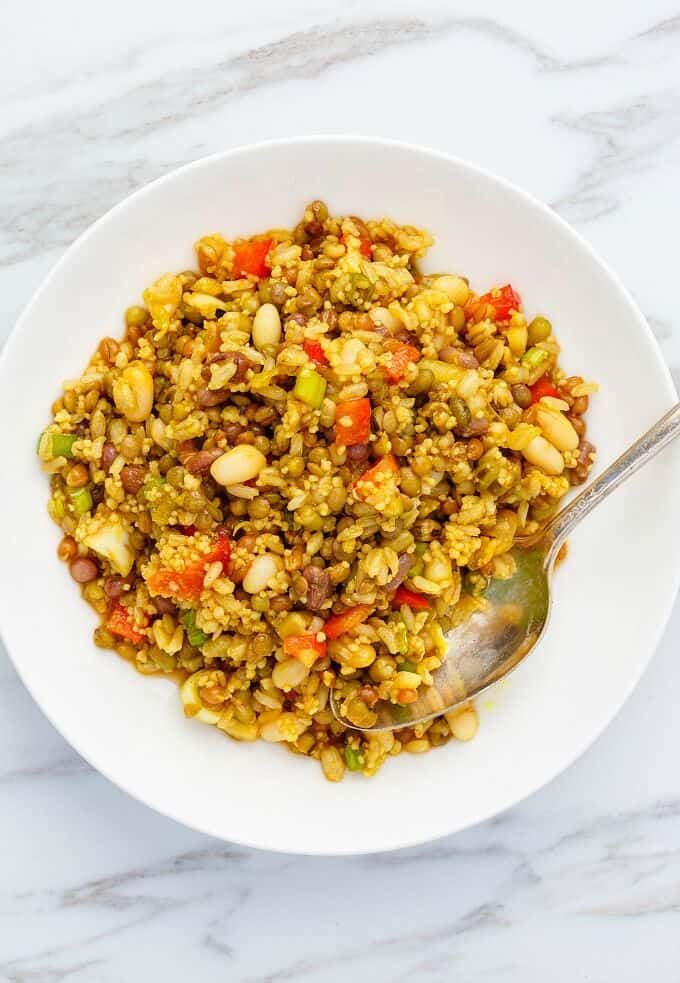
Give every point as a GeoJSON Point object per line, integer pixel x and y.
{"type": "Point", "coordinates": [364, 245]}
{"type": "Point", "coordinates": [222, 549]}
{"type": "Point", "coordinates": [353, 422]}
{"type": "Point", "coordinates": [314, 350]}
{"type": "Point", "coordinates": [503, 300]}
{"type": "Point", "coordinates": [250, 258]}
{"type": "Point", "coordinates": [305, 648]}
{"type": "Point", "coordinates": [119, 622]}
{"type": "Point", "coordinates": [338, 624]}
{"type": "Point", "coordinates": [543, 387]}
{"type": "Point", "coordinates": [414, 600]}
{"type": "Point", "coordinates": [401, 357]}
{"type": "Point", "coordinates": [372, 479]}
{"type": "Point", "coordinates": [188, 583]}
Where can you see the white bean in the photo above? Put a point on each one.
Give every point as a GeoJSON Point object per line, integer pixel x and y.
{"type": "Point", "coordinates": [192, 701]}
{"type": "Point", "coordinates": [556, 428]}
{"type": "Point", "coordinates": [332, 764]}
{"type": "Point", "coordinates": [455, 288]}
{"type": "Point", "coordinates": [384, 317]}
{"type": "Point", "coordinates": [289, 674]}
{"type": "Point", "coordinates": [351, 351]}
{"type": "Point", "coordinates": [266, 327]}
{"type": "Point", "coordinates": [542, 453]}
{"type": "Point", "coordinates": [238, 465]}
{"type": "Point", "coordinates": [133, 392]}
{"type": "Point", "coordinates": [281, 727]}
{"type": "Point", "coordinates": [463, 723]}
{"type": "Point", "coordinates": [260, 572]}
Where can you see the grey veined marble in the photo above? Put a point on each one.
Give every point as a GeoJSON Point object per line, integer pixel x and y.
{"type": "Point", "coordinates": [578, 103]}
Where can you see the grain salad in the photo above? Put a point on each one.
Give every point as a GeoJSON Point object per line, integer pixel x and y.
{"type": "Point", "coordinates": [299, 468]}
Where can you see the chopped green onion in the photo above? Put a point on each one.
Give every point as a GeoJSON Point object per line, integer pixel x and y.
{"type": "Point", "coordinates": [534, 357]}
{"type": "Point", "coordinates": [399, 714]}
{"type": "Point", "coordinates": [416, 569]}
{"type": "Point", "coordinates": [310, 387]}
{"type": "Point", "coordinates": [81, 500]}
{"type": "Point", "coordinates": [51, 445]}
{"type": "Point", "coordinates": [354, 759]}
{"type": "Point", "coordinates": [62, 444]}
{"type": "Point", "coordinates": [407, 666]}
{"type": "Point", "coordinates": [401, 635]}
{"type": "Point", "coordinates": [420, 548]}
{"type": "Point", "coordinates": [195, 635]}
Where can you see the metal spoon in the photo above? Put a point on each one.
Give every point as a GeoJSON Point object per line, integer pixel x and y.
{"type": "Point", "coordinates": [492, 642]}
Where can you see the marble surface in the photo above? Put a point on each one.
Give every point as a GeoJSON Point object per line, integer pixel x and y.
{"type": "Point", "coordinates": [577, 103]}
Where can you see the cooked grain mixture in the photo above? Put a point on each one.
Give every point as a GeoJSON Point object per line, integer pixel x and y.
{"type": "Point", "coordinates": [299, 467]}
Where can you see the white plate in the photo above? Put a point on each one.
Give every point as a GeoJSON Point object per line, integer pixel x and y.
{"type": "Point", "coordinates": [614, 593]}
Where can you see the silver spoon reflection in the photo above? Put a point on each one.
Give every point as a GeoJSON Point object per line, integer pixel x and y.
{"type": "Point", "coordinates": [493, 641]}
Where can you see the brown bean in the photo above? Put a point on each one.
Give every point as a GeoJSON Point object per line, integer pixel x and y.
{"type": "Point", "coordinates": [458, 356]}
{"type": "Point", "coordinates": [115, 585]}
{"type": "Point", "coordinates": [233, 431]}
{"type": "Point", "coordinates": [580, 405]}
{"type": "Point", "coordinates": [585, 449]}
{"type": "Point", "coordinates": [242, 366]}
{"type": "Point", "coordinates": [521, 395]}
{"type": "Point", "coordinates": [583, 463]}
{"type": "Point", "coordinates": [200, 461]}
{"type": "Point", "coordinates": [185, 449]}
{"type": "Point", "coordinates": [475, 449]}
{"type": "Point", "coordinates": [450, 506]}
{"type": "Point", "coordinates": [109, 454]}
{"type": "Point", "coordinates": [478, 425]}
{"type": "Point", "coordinates": [108, 349]}
{"type": "Point", "coordinates": [83, 569]}
{"type": "Point", "coordinates": [406, 561]}
{"type": "Point", "coordinates": [77, 476]}
{"type": "Point", "coordinates": [313, 228]}
{"type": "Point", "coordinates": [330, 317]}
{"type": "Point", "coordinates": [211, 397]}
{"type": "Point", "coordinates": [318, 586]}
{"type": "Point", "coordinates": [132, 478]}
{"type": "Point", "coordinates": [164, 605]}
{"type": "Point", "coordinates": [357, 452]}
{"type": "Point", "coordinates": [281, 603]}
{"type": "Point", "coordinates": [578, 424]}
{"type": "Point", "coordinates": [369, 695]}
{"type": "Point", "coordinates": [362, 228]}
{"type": "Point", "coordinates": [67, 548]}
{"type": "Point", "coordinates": [241, 361]}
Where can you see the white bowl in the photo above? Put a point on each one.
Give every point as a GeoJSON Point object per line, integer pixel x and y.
{"type": "Point", "coordinates": [613, 595]}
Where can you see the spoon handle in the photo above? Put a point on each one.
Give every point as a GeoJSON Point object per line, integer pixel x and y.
{"type": "Point", "coordinates": [643, 450]}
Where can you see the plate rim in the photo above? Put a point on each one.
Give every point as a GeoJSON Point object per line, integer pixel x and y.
{"type": "Point", "coordinates": [576, 749]}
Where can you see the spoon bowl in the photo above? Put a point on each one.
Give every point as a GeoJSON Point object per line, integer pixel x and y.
{"type": "Point", "coordinates": [494, 640]}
